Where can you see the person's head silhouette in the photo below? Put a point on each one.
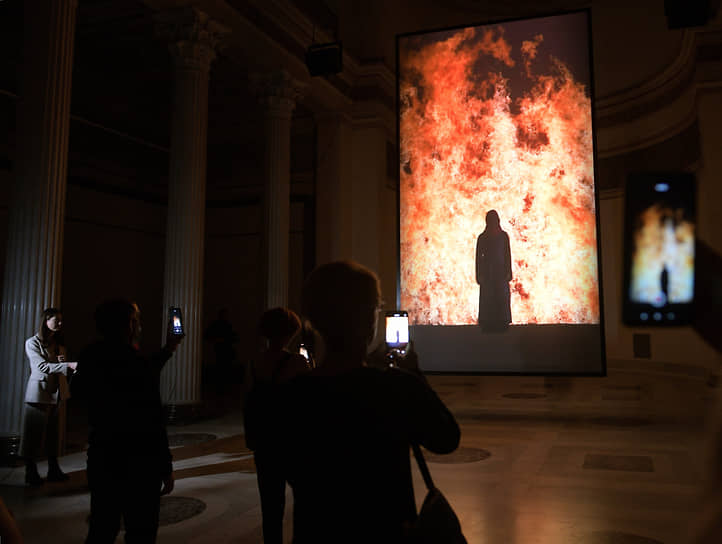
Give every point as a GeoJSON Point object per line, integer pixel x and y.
{"type": "Point", "coordinates": [278, 326]}
{"type": "Point", "coordinates": [340, 299]}
{"type": "Point", "coordinates": [492, 221]}
{"type": "Point", "coordinates": [118, 319]}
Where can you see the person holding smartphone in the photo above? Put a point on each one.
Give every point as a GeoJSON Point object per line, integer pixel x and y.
{"type": "Point", "coordinates": [47, 387]}
{"type": "Point", "coordinates": [129, 460]}
{"type": "Point", "coordinates": [275, 367]}
{"type": "Point", "coordinates": [348, 426]}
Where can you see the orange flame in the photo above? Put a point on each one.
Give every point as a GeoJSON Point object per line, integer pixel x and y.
{"type": "Point", "coordinates": [528, 50]}
{"type": "Point", "coordinates": [465, 152]}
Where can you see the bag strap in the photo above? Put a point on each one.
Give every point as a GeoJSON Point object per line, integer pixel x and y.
{"type": "Point", "coordinates": [422, 467]}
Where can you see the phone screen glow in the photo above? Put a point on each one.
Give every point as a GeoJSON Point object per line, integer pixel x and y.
{"type": "Point", "coordinates": [397, 330]}
{"type": "Point", "coordinates": [176, 323]}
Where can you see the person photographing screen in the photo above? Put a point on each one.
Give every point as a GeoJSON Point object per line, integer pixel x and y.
{"type": "Point", "coordinates": [129, 461]}
{"type": "Point", "coordinates": [347, 426]}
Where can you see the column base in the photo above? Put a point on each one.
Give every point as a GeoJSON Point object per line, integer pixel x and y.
{"type": "Point", "coordinates": [10, 451]}
{"type": "Point", "coordinates": [182, 414]}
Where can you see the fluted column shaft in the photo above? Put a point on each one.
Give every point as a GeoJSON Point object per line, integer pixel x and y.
{"type": "Point", "coordinates": [333, 187]}
{"type": "Point", "coordinates": [194, 37]}
{"type": "Point", "coordinates": [33, 262]}
{"type": "Point", "coordinates": [277, 202]}
{"type": "Point", "coordinates": [277, 94]}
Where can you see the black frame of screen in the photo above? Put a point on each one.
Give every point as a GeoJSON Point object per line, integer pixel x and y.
{"type": "Point", "coordinates": [602, 336]}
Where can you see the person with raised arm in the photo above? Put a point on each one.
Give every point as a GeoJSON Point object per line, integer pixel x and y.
{"type": "Point", "coordinates": [129, 460]}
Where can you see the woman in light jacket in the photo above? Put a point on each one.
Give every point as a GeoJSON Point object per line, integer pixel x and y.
{"type": "Point", "coordinates": [46, 386]}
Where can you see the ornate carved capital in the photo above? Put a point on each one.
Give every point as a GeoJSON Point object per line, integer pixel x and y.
{"type": "Point", "coordinates": [192, 55]}
{"type": "Point", "coordinates": [193, 37]}
{"type": "Point", "coordinates": [277, 91]}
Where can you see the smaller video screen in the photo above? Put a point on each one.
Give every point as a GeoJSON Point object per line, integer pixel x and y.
{"type": "Point", "coordinates": [659, 249]}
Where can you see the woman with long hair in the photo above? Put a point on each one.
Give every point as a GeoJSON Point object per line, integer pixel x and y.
{"type": "Point", "coordinates": [47, 386]}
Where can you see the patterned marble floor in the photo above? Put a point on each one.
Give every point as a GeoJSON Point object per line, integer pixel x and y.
{"type": "Point", "coordinates": [614, 460]}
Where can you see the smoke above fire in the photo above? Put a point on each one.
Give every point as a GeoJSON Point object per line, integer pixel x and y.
{"type": "Point", "coordinates": [490, 124]}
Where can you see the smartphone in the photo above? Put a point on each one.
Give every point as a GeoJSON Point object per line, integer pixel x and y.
{"type": "Point", "coordinates": [397, 330]}
{"type": "Point", "coordinates": [176, 320]}
{"type": "Point", "coordinates": [303, 351]}
{"type": "Point", "coordinates": [659, 249]}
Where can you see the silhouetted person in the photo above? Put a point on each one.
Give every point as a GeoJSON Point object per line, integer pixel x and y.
{"type": "Point", "coordinates": [47, 387]}
{"type": "Point", "coordinates": [129, 461]}
{"type": "Point", "coordinates": [220, 333]}
{"type": "Point", "coordinates": [493, 274]}
{"type": "Point", "coordinates": [664, 283]}
{"type": "Point", "coordinates": [349, 426]}
{"type": "Point", "coordinates": [266, 377]}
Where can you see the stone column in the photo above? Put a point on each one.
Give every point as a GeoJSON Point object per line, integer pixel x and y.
{"type": "Point", "coordinates": [277, 94]}
{"type": "Point", "coordinates": [369, 174]}
{"type": "Point", "coordinates": [35, 224]}
{"type": "Point", "coordinates": [193, 38]}
{"type": "Point", "coordinates": [333, 187]}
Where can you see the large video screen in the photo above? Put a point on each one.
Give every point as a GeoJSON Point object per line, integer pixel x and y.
{"type": "Point", "coordinates": [499, 263]}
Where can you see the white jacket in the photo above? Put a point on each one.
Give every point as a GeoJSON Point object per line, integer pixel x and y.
{"type": "Point", "coordinates": [47, 375]}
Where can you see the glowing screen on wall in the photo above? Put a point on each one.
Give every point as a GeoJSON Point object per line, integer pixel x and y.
{"type": "Point", "coordinates": [498, 117]}
{"type": "Point", "coordinates": [659, 251]}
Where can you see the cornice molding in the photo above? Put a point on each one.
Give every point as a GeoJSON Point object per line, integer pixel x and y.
{"type": "Point", "coordinates": [680, 70]}
{"type": "Point", "coordinates": [366, 90]}
{"type": "Point", "coordinates": [665, 104]}
{"type": "Point", "coordinates": [288, 18]}
{"type": "Point", "coordinates": [672, 152]}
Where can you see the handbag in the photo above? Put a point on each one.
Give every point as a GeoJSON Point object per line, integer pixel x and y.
{"type": "Point", "coordinates": [437, 522]}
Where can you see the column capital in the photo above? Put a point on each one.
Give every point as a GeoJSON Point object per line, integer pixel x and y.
{"type": "Point", "coordinates": [332, 117]}
{"type": "Point", "coordinates": [278, 91]}
{"type": "Point", "coordinates": [193, 37]}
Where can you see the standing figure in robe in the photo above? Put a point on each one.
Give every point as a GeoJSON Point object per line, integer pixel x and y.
{"type": "Point", "coordinates": [493, 274]}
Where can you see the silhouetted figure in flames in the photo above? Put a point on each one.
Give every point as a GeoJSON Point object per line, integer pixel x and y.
{"type": "Point", "coordinates": [493, 274]}
{"type": "Point", "coordinates": [664, 283]}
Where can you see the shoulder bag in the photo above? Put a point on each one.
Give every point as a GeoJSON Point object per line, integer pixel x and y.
{"type": "Point", "coordinates": [437, 522]}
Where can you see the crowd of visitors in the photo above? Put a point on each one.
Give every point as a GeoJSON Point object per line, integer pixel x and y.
{"type": "Point", "coordinates": [337, 424]}
{"type": "Point", "coordinates": [338, 400]}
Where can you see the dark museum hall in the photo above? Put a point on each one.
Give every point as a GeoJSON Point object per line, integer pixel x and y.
{"type": "Point", "coordinates": [210, 154]}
